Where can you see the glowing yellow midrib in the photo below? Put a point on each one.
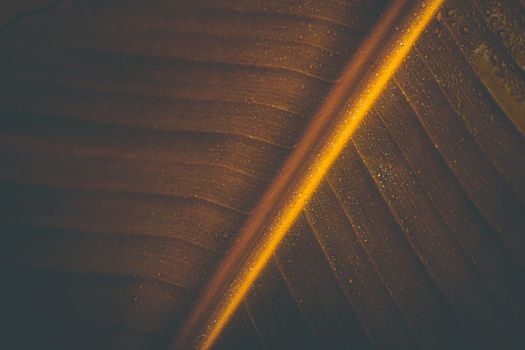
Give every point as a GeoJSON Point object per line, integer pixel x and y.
{"type": "Point", "coordinates": [356, 110]}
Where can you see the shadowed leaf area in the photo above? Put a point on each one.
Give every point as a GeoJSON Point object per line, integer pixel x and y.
{"type": "Point", "coordinates": [137, 137]}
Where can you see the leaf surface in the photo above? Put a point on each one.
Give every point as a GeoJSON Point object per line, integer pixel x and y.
{"type": "Point", "coordinates": [138, 137]}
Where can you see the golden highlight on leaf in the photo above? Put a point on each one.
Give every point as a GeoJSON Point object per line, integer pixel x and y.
{"type": "Point", "coordinates": [326, 136]}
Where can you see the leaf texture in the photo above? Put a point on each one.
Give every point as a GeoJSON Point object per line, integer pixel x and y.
{"type": "Point", "coordinates": [419, 225]}
{"type": "Point", "coordinates": [137, 137]}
